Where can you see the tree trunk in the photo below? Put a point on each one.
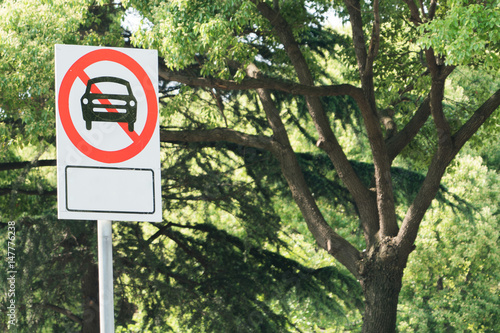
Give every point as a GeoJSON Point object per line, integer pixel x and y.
{"type": "Point", "coordinates": [381, 281]}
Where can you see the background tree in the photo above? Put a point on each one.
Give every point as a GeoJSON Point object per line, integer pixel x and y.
{"type": "Point", "coordinates": [266, 115]}
{"type": "Point", "coordinates": [188, 38]}
{"type": "Point", "coordinates": [185, 267]}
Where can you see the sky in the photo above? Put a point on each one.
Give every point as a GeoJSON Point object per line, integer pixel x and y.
{"type": "Point", "coordinates": [133, 20]}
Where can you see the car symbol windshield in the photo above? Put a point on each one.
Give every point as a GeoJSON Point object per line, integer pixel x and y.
{"type": "Point", "coordinates": [109, 99]}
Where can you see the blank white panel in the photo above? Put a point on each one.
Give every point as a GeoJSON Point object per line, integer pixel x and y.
{"type": "Point", "coordinates": [114, 190]}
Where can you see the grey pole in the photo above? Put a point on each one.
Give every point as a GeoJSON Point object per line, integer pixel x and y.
{"type": "Point", "coordinates": [105, 258]}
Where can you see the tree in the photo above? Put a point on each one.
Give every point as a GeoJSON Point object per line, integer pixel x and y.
{"type": "Point", "coordinates": [248, 96]}
{"type": "Point", "coordinates": [388, 59]}
{"type": "Point", "coordinates": [186, 267]}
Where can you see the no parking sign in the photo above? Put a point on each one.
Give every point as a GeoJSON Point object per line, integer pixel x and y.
{"type": "Point", "coordinates": [108, 151]}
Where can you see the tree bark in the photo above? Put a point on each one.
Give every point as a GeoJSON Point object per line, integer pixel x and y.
{"type": "Point", "coordinates": [371, 116]}
{"type": "Point", "coordinates": [327, 140]}
{"type": "Point", "coordinates": [382, 274]}
{"type": "Point", "coordinates": [381, 290]}
{"type": "Point", "coordinates": [327, 239]}
{"type": "Point", "coordinates": [62, 311]}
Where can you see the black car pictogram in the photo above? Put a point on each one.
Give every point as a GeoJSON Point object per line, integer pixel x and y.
{"type": "Point", "coordinates": [119, 106]}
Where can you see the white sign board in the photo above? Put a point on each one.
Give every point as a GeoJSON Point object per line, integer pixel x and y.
{"type": "Point", "coordinates": [108, 143]}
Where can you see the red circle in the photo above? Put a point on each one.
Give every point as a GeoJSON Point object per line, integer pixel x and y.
{"type": "Point", "coordinates": [83, 146]}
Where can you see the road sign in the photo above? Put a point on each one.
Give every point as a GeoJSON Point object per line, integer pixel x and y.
{"type": "Point", "coordinates": [108, 150]}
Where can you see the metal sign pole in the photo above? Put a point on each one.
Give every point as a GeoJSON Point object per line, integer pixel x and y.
{"type": "Point", "coordinates": [105, 262]}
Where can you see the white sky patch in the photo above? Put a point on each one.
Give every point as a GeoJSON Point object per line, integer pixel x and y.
{"type": "Point", "coordinates": [133, 21]}
{"type": "Point", "coordinates": [333, 20]}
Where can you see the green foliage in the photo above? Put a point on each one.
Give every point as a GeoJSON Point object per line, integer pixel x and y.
{"type": "Point", "coordinates": [451, 282]}
{"type": "Point", "coordinates": [465, 32]}
{"type": "Point", "coordinates": [468, 89]}
{"type": "Point", "coordinates": [186, 32]}
{"type": "Point", "coordinates": [27, 60]}
{"type": "Point", "coordinates": [234, 253]}
{"type": "Point", "coordinates": [52, 258]}
{"type": "Point", "coordinates": [219, 283]}
{"type": "Point", "coordinates": [246, 184]}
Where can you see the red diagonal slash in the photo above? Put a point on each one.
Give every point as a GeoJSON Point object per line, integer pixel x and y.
{"type": "Point", "coordinates": [84, 77]}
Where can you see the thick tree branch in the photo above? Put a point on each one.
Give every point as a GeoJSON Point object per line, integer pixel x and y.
{"type": "Point", "coordinates": [358, 36]}
{"type": "Point", "coordinates": [411, 222]}
{"type": "Point", "coordinates": [439, 73]}
{"type": "Point", "coordinates": [476, 120]}
{"type": "Point", "coordinates": [371, 116]}
{"type": "Point", "coordinates": [409, 228]}
{"type": "Point", "coordinates": [63, 311]}
{"type": "Point", "coordinates": [432, 63]}
{"type": "Point", "coordinates": [217, 134]}
{"type": "Point", "coordinates": [260, 82]}
{"type": "Point", "coordinates": [365, 59]}
{"type": "Point", "coordinates": [414, 12]}
{"type": "Point", "coordinates": [399, 141]}
{"type": "Point", "coordinates": [382, 163]}
{"type": "Point", "coordinates": [327, 140]}
{"type": "Point", "coordinates": [326, 238]}
{"type": "Point", "coordinates": [442, 126]}
{"type": "Point", "coordinates": [375, 39]}
{"type": "Point", "coordinates": [440, 161]}
{"type": "Point", "coordinates": [432, 10]}
{"type": "Point", "coordinates": [22, 165]}
{"type": "Point", "coordinates": [9, 190]}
